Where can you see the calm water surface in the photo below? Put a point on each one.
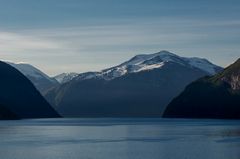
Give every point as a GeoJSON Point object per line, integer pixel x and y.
{"type": "Point", "coordinates": [120, 139]}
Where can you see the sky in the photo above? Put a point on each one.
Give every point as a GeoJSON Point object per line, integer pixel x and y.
{"type": "Point", "coordinates": [89, 35]}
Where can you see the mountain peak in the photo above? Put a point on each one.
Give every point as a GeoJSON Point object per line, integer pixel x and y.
{"type": "Point", "coordinates": [163, 56]}
{"type": "Point", "coordinates": [166, 56]}
{"type": "Point", "coordinates": [147, 62]}
{"type": "Point", "coordinates": [165, 53]}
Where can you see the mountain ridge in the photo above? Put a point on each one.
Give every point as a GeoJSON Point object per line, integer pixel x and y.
{"type": "Point", "coordinates": [65, 77]}
{"type": "Point", "coordinates": [146, 62]}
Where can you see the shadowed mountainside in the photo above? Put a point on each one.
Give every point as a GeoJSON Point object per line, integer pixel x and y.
{"type": "Point", "coordinates": [211, 97]}
{"type": "Point", "coordinates": [19, 96]}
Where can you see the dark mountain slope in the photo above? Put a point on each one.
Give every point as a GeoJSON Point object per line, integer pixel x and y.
{"type": "Point", "coordinates": [40, 80]}
{"type": "Point", "coordinates": [18, 95]}
{"type": "Point", "coordinates": [211, 97]}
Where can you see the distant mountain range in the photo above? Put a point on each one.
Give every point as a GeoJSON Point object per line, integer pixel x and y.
{"type": "Point", "coordinates": [147, 85]}
{"type": "Point", "coordinates": [140, 87]}
{"type": "Point", "coordinates": [19, 98]}
{"type": "Point", "coordinates": [65, 77]}
{"type": "Point", "coordinates": [41, 81]}
{"type": "Point", "coordinates": [216, 96]}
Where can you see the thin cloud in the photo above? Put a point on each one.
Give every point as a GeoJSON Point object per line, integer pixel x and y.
{"type": "Point", "coordinates": [87, 48]}
{"type": "Point", "coordinates": [16, 42]}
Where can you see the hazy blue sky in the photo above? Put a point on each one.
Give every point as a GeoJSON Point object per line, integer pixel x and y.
{"type": "Point", "coordinates": [86, 35]}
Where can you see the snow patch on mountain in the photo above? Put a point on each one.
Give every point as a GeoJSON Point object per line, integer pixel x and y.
{"type": "Point", "coordinates": [202, 64]}
{"type": "Point", "coordinates": [150, 67]}
{"type": "Point", "coordinates": [65, 77]}
{"type": "Point", "coordinates": [146, 62]}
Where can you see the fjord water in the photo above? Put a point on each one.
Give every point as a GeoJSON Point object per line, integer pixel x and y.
{"type": "Point", "coordinates": [120, 139]}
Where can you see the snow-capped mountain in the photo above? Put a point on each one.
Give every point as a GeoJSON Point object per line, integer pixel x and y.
{"type": "Point", "coordinates": [146, 62]}
{"type": "Point", "coordinates": [140, 87]}
{"type": "Point", "coordinates": [41, 81]}
{"type": "Point", "coordinates": [65, 77]}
